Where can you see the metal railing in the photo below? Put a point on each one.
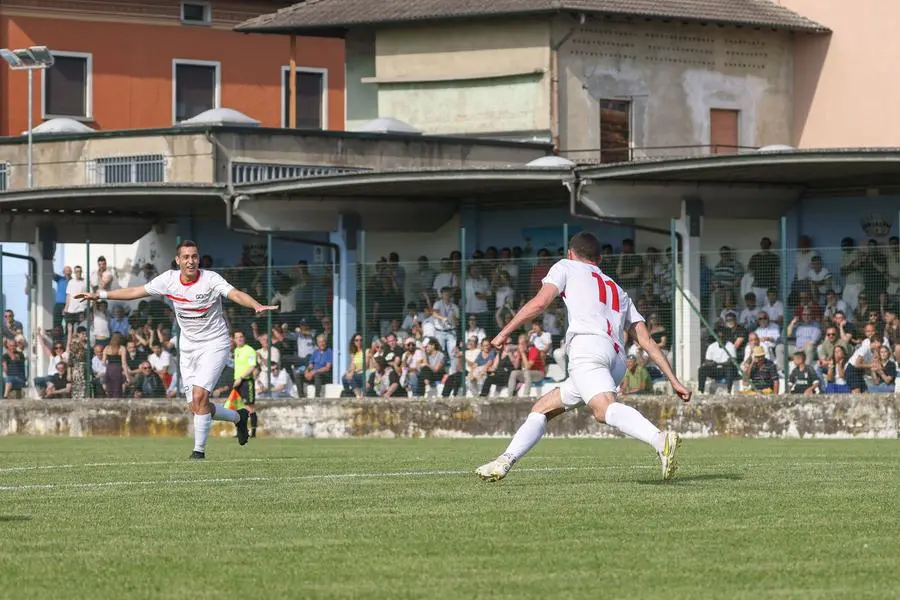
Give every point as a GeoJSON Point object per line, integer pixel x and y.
{"type": "Point", "coordinates": [636, 153]}
{"type": "Point", "coordinates": [4, 177]}
{"type": "Point", "coordinates": [116, 170]}
{"type": "Point", "coordinates": [247, 172]}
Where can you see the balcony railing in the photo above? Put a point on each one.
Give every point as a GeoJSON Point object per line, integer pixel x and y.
{"type": "Point", "coordinates": [112, 170]}
{"type": "Point", "coordinates": [244, 172]}
{"type": "Point", "coordinates": [618, 155]}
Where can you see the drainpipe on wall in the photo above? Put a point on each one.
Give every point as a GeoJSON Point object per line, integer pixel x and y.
{"type": "Point", "coordinates": [554, 82]}
{"type": "Point", "coordinates": [292, 85]}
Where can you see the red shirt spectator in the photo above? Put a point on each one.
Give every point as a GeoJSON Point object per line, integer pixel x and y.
{"type": "Point", "coordinates": [536, 359]}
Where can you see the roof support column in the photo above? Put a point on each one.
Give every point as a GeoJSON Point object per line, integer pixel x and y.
{"type": "Point", "coordinates": [344, 303]}
{"type": "Point", "coordinates": [690, 331]}
{"type": "Point", "coordinates": [43, 298]}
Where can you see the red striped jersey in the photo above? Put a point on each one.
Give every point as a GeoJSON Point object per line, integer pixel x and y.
{"type": "Point", "coordinates": [197, 304]}
{"type": "Point", "coordinates": [595, 303]}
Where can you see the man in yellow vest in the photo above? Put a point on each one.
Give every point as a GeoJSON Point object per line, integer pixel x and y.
{"type": "Point", "coordinates": [244, 370]}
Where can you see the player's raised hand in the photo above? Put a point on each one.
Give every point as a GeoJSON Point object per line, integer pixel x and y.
{"type": "Point", "coordinates": [89, 296]}
{"type": "Point", "coordinates": [499, 341]}
{"type": "Point", "coordinates": [681, 391]}
{"type": "Point", "coordinates": [262, 309]}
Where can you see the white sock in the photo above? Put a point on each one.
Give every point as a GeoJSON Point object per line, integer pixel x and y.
{"type": "Point", "coordinates": [202, 423]}
{"type": "Point", "coordinates": [634, 424]}
{"type": "Point", "coordinates": [226, 414]}
{"type": "Point", "coordinates": [526, 437]}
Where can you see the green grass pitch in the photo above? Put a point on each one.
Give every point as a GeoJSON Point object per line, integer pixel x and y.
{"type": "Point", "coordinates": [109, 518]}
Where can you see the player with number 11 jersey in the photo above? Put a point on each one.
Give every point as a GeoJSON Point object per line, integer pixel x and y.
{"type": "Point", "coordinates": [599, 315]}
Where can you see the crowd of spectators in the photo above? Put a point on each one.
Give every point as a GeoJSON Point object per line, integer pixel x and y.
{"type": "Point", "coordinates": [840, 332]}
{"type": "Point", "coordinates": [837, 332]}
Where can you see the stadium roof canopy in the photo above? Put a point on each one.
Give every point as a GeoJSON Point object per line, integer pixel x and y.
{"type": "Point", "coordinates": [751, 185]}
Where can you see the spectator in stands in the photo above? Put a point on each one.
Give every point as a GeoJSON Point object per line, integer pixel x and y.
{"type": "Point", "coordinates": [413, 361]}
{"type": "Point", "coordinates": [852, 270]}
{"type": "Point", "coordinates": [752, 342]}
{"type": "Point", "coordinates": [808, 305]}
{"type": "Point", "coordinates": [101, 273]}
{"type": "Point", "coordinates": [446, 313]}
{"type": "Point", "coordinates": [893, 258]}
{"type": "Point", "coordinates": [76, 350]}
{"type": "Point", "coordinates": [539, 338]}
{"type": "Point", "coordinates": [433, 372]}
{"type": "Point", "coordinates": [11, 327]}
{"type": "Point", "coordinates": [61, 282]}
{"type": "Point", "coordinates": [100, 324]}
{"type": "Point", "coordinates": [421, 282]}
{"type": "Point", "coordinates": [161, 361]}
{"type": "Point", "coordinates": [719, 362]}
{"type": "Point", "coordinates": [836, 376]}
{"type": "Point", "coordinates": [13, 369]}
{"type": "Point", "coordinates": [736, 334]}
{"type": "Point", "coordinates": [833, 305]}
{"type": "Point", "coordinates": [727, 273]}
{"type": "Point", "coordinates": [803, 379]}
{"type": "Point", "coordinates": [74, 311]}
{"type": "Point", "coordinates": [875, 273]}
{"type": "Point", "coordinates": [636, 379]}
{"type": "Point", "coordinates": [273, 383]}
{"type": "Point", "coordinates": [748, 316]}
{"type": "Point", "coordinates": [58, 386]}
{"type": "Point", "coordinates": [891, 326]}
{"type": "Point", "coordinates": [118, 322]}
{"type": "Point", "coordinates": [482, 362]}
{"type": "Point", "coordinates": [133, 358]}
{"type": "Point", "coordinates": [804, 258]}
{"type": "Point", "coordinates": [861, 313]}
{"type": "Point", "coordinates": [773, 306]}
{"type": "Point", "coordinates": [392, 345]}
{"type": "Point", "coordinates": [115, 359]}
{"type": "Point", "coordinates": [318, 371]}
{"type": "Point", "coordinates": [630, 269]}
{"type": "Point", "coordinates": [57, 354]}
{"type": "Point", "coordinates": [302, 288]}
{"type": "Point", "coordinates": [478, 292]}
{"type": "Point", "coordinates": [861, 363]}
{"type": "Point", "coordinates": [762, 372]}
{"type": "Point", "coordinates": [147, 383]}
{"type": "Point", "coordinates": [884, 372]}
{"type": "Point", "coordinates": [508, 361]}
{"type": "Point", "coordinates": [411, 317]}
{"type": "Point", "coordinates": [327, 330]}
{"type": "Point", "coordinates": [353, 378]}
{"type": "Point", "coordinates": [765, 266]}
{"type": "Point", "coordinates": [806, 333]}
{"type": "Point", "coordinates": [474, 330]}
{"type": "Point", "coordinates": [531, 367]}
{"type": "Point", "coordinates": [819, 278]}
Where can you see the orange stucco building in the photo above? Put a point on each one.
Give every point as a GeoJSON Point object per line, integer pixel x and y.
{"type": "Point", "coordinates": [124, 64]}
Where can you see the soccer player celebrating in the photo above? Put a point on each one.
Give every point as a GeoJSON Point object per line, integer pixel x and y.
{"type": "Point", "coordinates": [600, 313]}
{"type": "Point", "coordinates": [204, 344]}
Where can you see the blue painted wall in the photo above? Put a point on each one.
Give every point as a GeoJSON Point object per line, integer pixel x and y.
{"type": "Point", "coordinates": [544, 226]}
{"type": "Point", "coordinates": [226, 247]}
{"type": "Point", "coordinates": [15, 275]}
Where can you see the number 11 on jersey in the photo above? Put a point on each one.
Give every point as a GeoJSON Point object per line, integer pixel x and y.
{"type": "Point", "coordinates": [602, 284]}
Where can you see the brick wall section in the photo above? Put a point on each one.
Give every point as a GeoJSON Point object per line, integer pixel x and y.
{"type": "Point", "coordinates": [785, 416]}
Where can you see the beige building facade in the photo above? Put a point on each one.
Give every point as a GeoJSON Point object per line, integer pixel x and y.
{"type": "Point", "coordinates": [845, 85]}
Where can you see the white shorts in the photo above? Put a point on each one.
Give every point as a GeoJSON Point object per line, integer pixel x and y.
{"type": "Point", "coordinates": [595, 367]}
{"type": "Point", "coordinates": [201, 367]}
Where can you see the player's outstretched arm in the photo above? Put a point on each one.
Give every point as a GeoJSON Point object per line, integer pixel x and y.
{"type": "Point", "coordinates": [132, 293]}
{"type": "Point", "coordinates": [247, 301]}
{"type": "Point", "coordinates": [641, 335]}
{"type": "Point", "coordinates": [532, 309]}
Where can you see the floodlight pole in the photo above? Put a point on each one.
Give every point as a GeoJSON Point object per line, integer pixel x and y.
{"type": "Point", "coordinates": [30, 120]}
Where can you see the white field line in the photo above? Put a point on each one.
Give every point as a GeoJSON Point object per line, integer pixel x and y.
{"type": "Point", "coordinates": [317, 477]}
{"type": "Point", "coordinates": [93, 465]}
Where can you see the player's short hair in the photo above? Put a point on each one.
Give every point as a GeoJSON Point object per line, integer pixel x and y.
{"type": "Point", "coordinates": [585, 245]}
{"type": "Point", "coordinates": [185, 244]}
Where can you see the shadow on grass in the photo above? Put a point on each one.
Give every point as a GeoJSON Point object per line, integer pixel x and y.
{"type": "Point", "coordinates": [694, 478]}
{"type": "Point", "coordinates": [14, 518]}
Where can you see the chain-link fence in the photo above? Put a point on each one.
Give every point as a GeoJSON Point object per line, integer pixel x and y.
{"type": "Point", "coordinates": [804, 320]}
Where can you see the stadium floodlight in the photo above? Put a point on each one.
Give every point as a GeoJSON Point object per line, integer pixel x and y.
{"type": "Point", "coordinates": [29, 59]}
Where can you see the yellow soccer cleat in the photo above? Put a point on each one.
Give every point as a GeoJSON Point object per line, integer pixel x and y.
{"type": "Point", "coordinates": [668, 455]}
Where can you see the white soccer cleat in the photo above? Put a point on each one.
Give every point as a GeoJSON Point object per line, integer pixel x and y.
{"type": "Point", "coordinates": [494, 470]}
{"type": "Point", "coordinates": [668, 455]}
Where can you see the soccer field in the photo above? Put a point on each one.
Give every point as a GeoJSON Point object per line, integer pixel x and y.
{"type": "Point", "coordinates": [133, 518]}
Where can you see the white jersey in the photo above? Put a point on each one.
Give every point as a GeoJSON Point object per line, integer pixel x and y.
{"type": "Point", "coordinates": [595, 303]}
{"type": "Point", "coordinates": [198, 306]}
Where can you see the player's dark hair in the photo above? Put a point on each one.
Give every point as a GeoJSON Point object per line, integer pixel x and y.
{"type": "Point", "coordinates": [585, 245]}
{"type": "Point", "coordinates": [185, 244]}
